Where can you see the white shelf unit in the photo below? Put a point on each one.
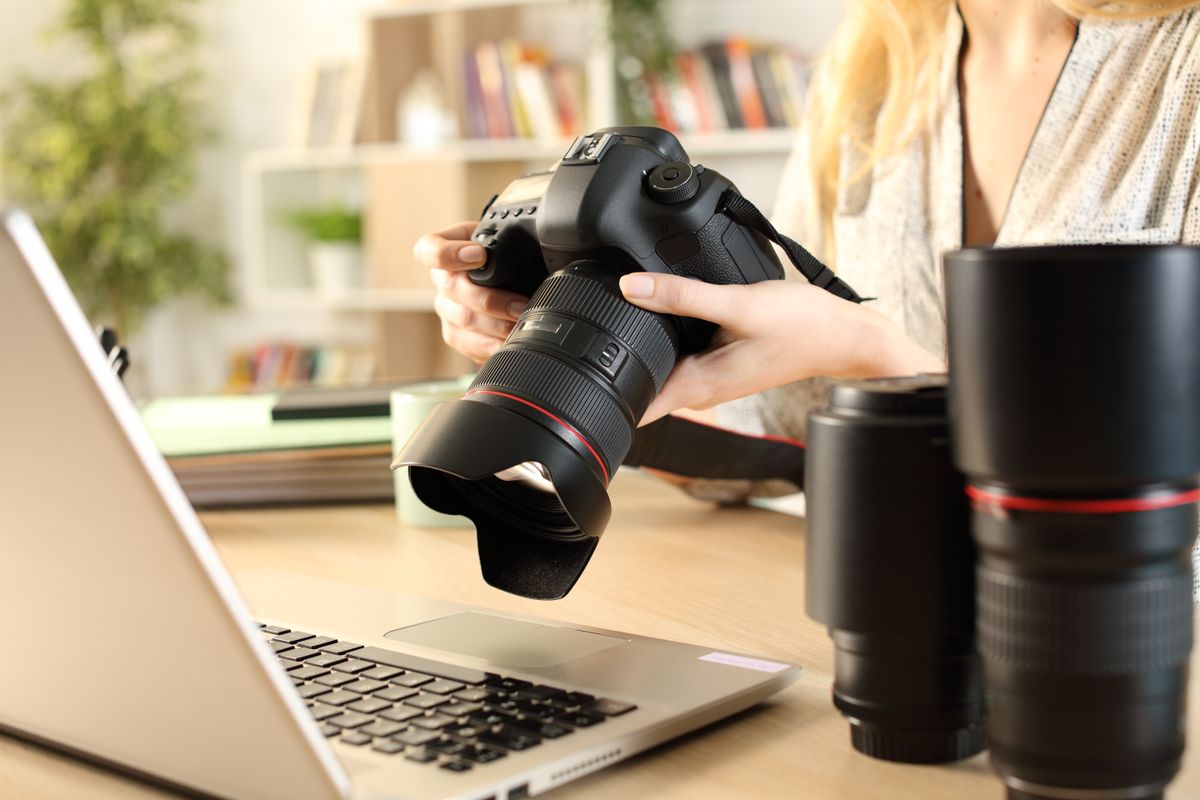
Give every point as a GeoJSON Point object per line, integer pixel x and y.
{"type": "Point", "coordinates": [394, 182]}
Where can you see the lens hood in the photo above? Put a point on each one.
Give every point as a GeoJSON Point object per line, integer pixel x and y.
{"type": "Point", "coordinates": [532, 543]}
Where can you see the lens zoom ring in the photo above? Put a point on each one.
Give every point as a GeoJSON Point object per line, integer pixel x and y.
{"type": "Point", "coordinates": [554, 386]}
{"type": "Point", "coordinates": [602, 304]}
{"type": "Point", "coordinates": [1096, 630]}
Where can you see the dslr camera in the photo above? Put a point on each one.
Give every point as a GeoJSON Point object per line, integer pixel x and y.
{"type": "Point", "coordinates": [528, 452]}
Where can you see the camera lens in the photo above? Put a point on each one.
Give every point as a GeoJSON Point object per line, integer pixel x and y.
{"type": "Point", "coordinates": [528, 453]}
{"type": "Point", "coordinates": [890, 570]}
{"type": "Point", "coordinates": [1075, 400]}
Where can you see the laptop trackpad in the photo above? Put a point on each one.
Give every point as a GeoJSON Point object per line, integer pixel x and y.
{"type": "Point", "coordinates": [504, 641]}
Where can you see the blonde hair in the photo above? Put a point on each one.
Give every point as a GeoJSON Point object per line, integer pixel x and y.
{"type": "Point", "coordinates": [876, 86]}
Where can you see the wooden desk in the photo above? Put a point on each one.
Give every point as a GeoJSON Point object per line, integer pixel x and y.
{"type": "Point", "coordinates": [668, 567]}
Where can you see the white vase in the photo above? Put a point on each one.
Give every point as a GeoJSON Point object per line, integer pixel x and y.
{"type": "Point", "coordinates": [337, 267]}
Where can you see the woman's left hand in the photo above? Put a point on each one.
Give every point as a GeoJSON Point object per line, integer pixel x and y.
{"type": "Point", "coordinates": [771, 333]}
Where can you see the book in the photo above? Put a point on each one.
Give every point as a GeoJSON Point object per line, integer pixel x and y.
{"type": "Point", "coordinates": [745, 86]}
{"type": "Point", "coordinates": [717, 56]}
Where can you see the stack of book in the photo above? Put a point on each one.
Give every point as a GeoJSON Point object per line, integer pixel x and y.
{"type": "Point", "coordinates": [729, 85]}
{"type": "Point", "coordinates": [227, 451]}
{"type": "Point", "coordinates": [516, 90]}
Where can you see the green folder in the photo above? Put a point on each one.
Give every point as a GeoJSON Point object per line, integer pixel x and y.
{"type": "Point", "coordinates": [196, 426]}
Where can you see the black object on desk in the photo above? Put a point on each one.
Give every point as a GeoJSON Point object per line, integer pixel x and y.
{"type": "Point", "coordinates": [366, 401]}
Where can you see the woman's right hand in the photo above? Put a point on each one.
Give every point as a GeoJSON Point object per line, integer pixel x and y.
{"type": "Point", "coordinates": [475, 319]}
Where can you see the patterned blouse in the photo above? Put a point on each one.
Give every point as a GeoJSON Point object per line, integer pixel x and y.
{"type": "Point", "coordinates": [1114, 159]}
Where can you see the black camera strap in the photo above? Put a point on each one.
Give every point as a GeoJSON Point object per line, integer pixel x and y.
{"type": "Point", "coordinates": [690, 449]}
{"type": "Point", "coordinates": [746, 213]}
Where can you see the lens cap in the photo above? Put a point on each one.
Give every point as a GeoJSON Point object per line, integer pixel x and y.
{"type": "Point", "coordinates": [917, 395]}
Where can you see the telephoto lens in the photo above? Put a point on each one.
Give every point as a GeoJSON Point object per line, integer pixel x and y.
{"type": "Point", "coordinates": [1075, 409]}
{"type": "Point", "coordinates": [890, 568]}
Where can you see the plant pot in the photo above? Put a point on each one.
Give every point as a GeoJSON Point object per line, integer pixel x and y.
{"type": "Point", "coordinates": [337, 267]}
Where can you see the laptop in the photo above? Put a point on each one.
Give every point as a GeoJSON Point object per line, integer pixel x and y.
{"type": "Point", "coordinates": [127, 642]}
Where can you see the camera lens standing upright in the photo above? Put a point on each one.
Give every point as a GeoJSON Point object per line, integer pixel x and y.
{"type": "Point", "coordinates": [1075, 410]}
{"type": "Point", "coordinates": [890, 568]}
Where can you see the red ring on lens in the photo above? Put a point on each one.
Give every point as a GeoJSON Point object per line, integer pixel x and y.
{"type": "Point", "coordinates": [559, 420]}
{"type": "Point", "coordinates": [1120, 505]}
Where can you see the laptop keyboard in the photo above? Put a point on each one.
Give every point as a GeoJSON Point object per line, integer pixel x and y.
{"type": "Point", "coordinates": [426, 711]}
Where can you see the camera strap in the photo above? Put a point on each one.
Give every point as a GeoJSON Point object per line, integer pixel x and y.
{"type": "Point", "coordinates": [746, 213]}
{"type": "Point", "coordinates": [695, 450]}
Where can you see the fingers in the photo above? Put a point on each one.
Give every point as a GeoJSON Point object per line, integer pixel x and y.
{"type": "Point", "coordinates": [474, 345]}
{"type": "Point", "coordinates": [687, 297]}
{"type": "Point", "coordinates": [460, 316]}
{"type": "Point", "coordinates": [450, 249]}
{"type": "Point", "coordinates": [489, 302]}
{"type": "Point", "coordinates": [712, 378]}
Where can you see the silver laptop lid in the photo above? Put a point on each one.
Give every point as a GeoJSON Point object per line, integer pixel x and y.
{"type": "Point", "coordinates": [125, 638]}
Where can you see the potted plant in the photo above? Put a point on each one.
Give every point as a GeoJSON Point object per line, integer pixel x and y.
{"type": "Point", "coordinates": [100, 160]}
{"type": "Point", "coordinates": [335, 257]}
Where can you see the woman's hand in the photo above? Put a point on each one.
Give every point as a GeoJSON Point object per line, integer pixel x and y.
{"type": "Point", "coordinates": [475, 319]}
{"type": "Point", "coordinates": [771, 333]}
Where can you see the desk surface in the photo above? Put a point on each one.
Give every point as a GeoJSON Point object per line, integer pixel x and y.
{"type": "Point", "coordinates": [668, 567]}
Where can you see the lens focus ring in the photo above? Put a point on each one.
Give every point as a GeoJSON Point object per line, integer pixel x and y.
{"type": "Point", "coordinates": [601, 303]}
{"type": "Point", "coordinates": [1130, 627]}
{"type": "Point", "coordinates": [563, 391]}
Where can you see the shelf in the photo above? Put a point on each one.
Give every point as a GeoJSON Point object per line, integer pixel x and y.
{"type": "Point", "coordinates": [772, 142]}
{"type": "Point", "coordinates": [358, 300]}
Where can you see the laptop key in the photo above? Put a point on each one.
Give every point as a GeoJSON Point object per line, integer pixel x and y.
{"type": "Point", "coordinates": [340, 698]}
{"type": "Point", "coordinates": [418, 664]}
{"type": "Point", "coordinates": [508, 684]}
{"type": "Point", "coordinates": [426, 701]}
{"type": "Point", "coordinates": [355, 738]}
{"type": "Point", "coordinates": [280, 647]}
{"type": "Point", "coordinates": [611, 708]}
{"type": "Point", "coordinates": [381, 673]}
{"type": "Point", "coordinates": [394, 694]}
{"type": "Point", "coordinates": [291, 637]}
{"type": "Point", "coordinates": [473, 695]}
{"type": "Point", "coordinates": [370, 705]}
{"type": "Point", "coordinates": [575, 699]}
{"type": "Point", "coordinates": [442, 687]}
{"type": "Point", "coordinates": [400, 714]}
{"type": "Point", "coordinates": [319, 641]}
{"type": "Point", "coordinates": [381, 728]}
{"type": "Point", "coordinates": [510, 738]}
{"type": "Point", "coordinates": [411, 679]}
{"type": "Point", "coordinates": [546, 730]}
{"type": "Point", "coordinates": [415, 737]}
{"type": "Point", "coordinates": [447, 747]}
{"type": "Point", "coordinates": [456, 766]}
{"type": "Point", "coordinates": [388, 746]}
{"type": "Point", "coordinates": [353, 667]}
{"type": "Point", "coordinates": [310, 690]}
{"type": "Point", "coordinates": [297, 681]}
{"type": "Point", "coordinates": [307, 672]}
{"type": "Point", "coordinates": [459, 709]}
{"type": "Point", "coordinates": [364, 686]}
{"type": "Point", "coordinates": [421, 756]}
{"type": "Point", "coordinates": [483, 755]}
{"type": "Point", "coordinates": [325, 660]}
{"type": "Point", "coordinates": [433, 722]}
{"type": "Point", "coordinates": [274, 630]}
{"type": "Point", "coordinates": [340, 648]}
{"type": "Point", "coordinates": [300, 653]}
{"type": "Point", "coordinates": [322, 711]}
{"type": "Point", "coordinates": [335, 679]}
{"type": "Point", "coordinates": [537, 692]}
{"type": "Point", "coordinates": [581, 719]}
{"type": "Point", "coordinates": [350, 719]}
{"type": "Point", "coordinates": [330, 730]}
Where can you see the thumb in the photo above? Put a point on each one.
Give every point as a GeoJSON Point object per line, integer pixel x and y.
{"type": "Point", "coordinates": [685, 297]}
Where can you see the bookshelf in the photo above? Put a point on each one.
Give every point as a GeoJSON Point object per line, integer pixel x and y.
{"type": "Point", "coordinates": [406, 191]}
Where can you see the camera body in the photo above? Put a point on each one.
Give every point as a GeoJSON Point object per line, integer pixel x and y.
{"type": "Point", "coordinates": [629, 199]}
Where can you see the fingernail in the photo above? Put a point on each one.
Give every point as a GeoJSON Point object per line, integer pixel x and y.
{"type": "Point", "coordinates": [516, 307]}
{"type": "Point", "coordinates": [637, 285]}
{"type": "Point", "coordinates": [472, 254]}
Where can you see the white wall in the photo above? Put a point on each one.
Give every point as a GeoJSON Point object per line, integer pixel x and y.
{"type": "Point", "coordinates": [257, 54]}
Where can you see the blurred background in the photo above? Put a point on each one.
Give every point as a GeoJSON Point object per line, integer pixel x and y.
{"type": "Point", "coordinates": [237, 185]}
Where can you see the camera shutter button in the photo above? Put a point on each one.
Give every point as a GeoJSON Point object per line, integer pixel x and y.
{"type": "Point", "coordinates": [673, 182]}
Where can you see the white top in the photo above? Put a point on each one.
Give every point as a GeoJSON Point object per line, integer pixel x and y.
{"type": "Point", "coordinates": [1114, 159]}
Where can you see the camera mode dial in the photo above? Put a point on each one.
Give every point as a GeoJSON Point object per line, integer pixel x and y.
{"type": "Point", "coordinates": [673, 182]}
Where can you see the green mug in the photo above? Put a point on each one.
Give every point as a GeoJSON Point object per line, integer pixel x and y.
{"type": "Point", "coordinates": [410, 405]}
